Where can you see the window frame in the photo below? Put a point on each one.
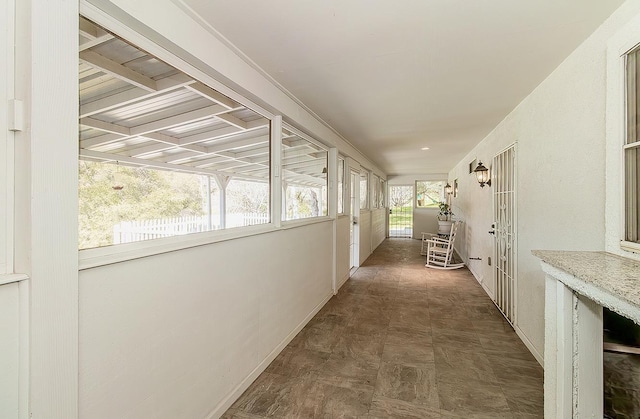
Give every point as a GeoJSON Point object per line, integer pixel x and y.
{"type": "Point", "coordinates": [619, 45]}
{"type": "Point", "coordinates": [364, 175]}
{"type": "Point", "coordinates": [415, 193]}
{"type": "Point", "coordinates": [317, 143]}
{"type": "Point", "coordinates": [94, 257]}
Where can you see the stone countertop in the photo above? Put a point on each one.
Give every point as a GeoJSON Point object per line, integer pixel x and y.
{"type": "Point", "coordinates": [610, 280]}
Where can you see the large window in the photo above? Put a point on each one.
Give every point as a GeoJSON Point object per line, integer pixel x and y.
{"type": "Point", "coordinates": [429, 193]}
{"type": "Point", "coordinates": [375, 191]}
{"type": "Point", "coordinates": [304, 176]}
{"type": "Point", "coordinates": [340, 185]}
{"type": "Point", "coordinates": [364, 190]}
{"type": "Point", "coordinates": [632, 150]}
{"type": "Point", "coordinates": [161, 153]}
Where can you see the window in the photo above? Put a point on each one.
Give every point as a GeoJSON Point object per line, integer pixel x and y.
{"type": "Point", "coordinates": [375, 190]}
{"type": "Point", "coordinates": [304, 176]}
{"type": "Point", "coordinates": [340, 185]}
{"type": "Point", "coordinates": [382, 193]}
{"type": "Point", "coordinates": [429, 193]}
{"type": "Point", "coordinates": [632, 149]}
{"type": "Point", "coordinates": [162, 154]}
{"type": "Point", "coordinates": [364, 190]}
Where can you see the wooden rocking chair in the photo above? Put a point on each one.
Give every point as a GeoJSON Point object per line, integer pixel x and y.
{"type": "Point", "coordinates": [440, 250]}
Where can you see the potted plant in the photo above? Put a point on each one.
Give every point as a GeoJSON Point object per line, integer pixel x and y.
{"type": "Point", "coordinates": [444, 218]}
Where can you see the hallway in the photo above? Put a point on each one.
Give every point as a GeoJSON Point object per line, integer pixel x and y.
{"type": "Point", "coordinates": [401, 341]}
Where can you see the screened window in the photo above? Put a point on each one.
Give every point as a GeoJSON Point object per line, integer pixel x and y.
{"type": "Point", "coordinates": [429, 193]}
{"type": "Point", "coordinates": [161, 154]}
{"type": "Point", "coordinates": [340, 185]}
{"type": "Point", "coordinates": [304, 176]}
{"type": "Point", "coordinates": [375, 190]}
{"type": "Point", "coordinates": [364, 190]}
{"type": "Point", "coordinates": [631, 150]}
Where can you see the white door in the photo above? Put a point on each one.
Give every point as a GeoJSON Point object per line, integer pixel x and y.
{"type": "Point", "coordinates": [504, 209]}
{"type": "Point", "coordinates": [354, 230]}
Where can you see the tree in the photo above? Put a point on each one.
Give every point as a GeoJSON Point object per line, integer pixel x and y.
{"type": "Point", "coordinates": [400, 196]}
{"type": "Point", "coordinates": [147, 194]}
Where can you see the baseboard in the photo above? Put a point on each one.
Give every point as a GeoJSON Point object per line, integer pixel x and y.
{"type": "Point", "coordinates": [523, 337]}
{"type": "Point", "coordinates": [240, 388]}
{"type": "Point", "coordinates": [481, 282]}
{"type": "Point", "coordinates": [529, 345]}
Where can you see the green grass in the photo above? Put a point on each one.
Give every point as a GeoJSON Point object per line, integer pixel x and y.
{"type": "Point", "coordinates": [401, 217]}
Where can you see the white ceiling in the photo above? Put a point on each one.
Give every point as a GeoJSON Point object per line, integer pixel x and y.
{"type": "Point", "coordinates": [395, 76]}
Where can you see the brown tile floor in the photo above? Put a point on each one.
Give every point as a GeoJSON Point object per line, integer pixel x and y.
{"type": "Point", "coordinates": [401, 341]}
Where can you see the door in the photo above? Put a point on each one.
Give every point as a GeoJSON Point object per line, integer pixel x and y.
{"type": "Point", "coordinates": [504, 209]}
{"type": "Point", "coordinates": [354, 229]}
{"type": "Point", "coordinates": [401, 211]}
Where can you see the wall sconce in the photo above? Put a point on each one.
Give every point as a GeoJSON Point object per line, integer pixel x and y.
{"type": "Point", "coordinates": [448, 189]}
{"type": "Point", "coordinates": [482, 173]}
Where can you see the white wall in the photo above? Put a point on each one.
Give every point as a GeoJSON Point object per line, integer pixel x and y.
{"type": "Point", "coordinates": [424, 220]}
{"type": "Point", "coordinates": [364, 221]}
{"type": "Point", "coordinates": [183, 334]}
{"type": "Point", "coordinates": [560, 133]}
{"type": "Point", "coordinates": [343, 262]}
{"type": "Point", "coordinates": [9, 351]}
{"type": "Point", "coordinates": [378, 227]}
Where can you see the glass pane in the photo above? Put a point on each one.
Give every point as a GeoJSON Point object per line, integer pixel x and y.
{"type": "Point", "coordinates": [429, 193]}
{"type": "Point", "coordinates": [304, 177]}
{"type": "Point", "coordinates": [364, 190]}
{"type": "Point", "coordinates": [247, 203]}
{"type": "Point", "coordinates": [119, 204]}
{"type": "Point", "coordinates": [150, 158]}
{"type": "Point", "coordinates": [632, 194]}
{"type": "Point", "coordinates": [340, 186]}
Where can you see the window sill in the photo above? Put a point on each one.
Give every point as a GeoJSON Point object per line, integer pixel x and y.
{"type": "Point", "coordinates": [11, 278]}
{"type": "Point", "coordinates": [630, 246]}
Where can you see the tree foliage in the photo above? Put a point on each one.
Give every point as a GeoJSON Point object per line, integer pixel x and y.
{"type": "Point", "coordinates": [147, 194]}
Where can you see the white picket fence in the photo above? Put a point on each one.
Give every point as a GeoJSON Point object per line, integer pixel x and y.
{"type": "Point", "coordinates": [133, 231]}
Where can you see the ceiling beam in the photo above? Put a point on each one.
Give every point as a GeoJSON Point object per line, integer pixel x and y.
{"type": "Point", "coordinates": [215, 134]}
{"type": "Point", "coordinates": [105, 126]}
{"type": "Point", "coordinates": [215, 96]}
{"type": "Point", "coordinates": [100, 140]}
{"type": "Point", "coordinates": [177, 120]}
{"type": "Point", "coordinates": [135, 94]}
{"type": "Point", "coordinates": [157, 165]}
{"type": "Point", "coordinates": [236, 122]}
{"type": "Point", "coordinates": [118, 70]}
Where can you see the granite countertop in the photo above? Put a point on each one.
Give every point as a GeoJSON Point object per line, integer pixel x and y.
{"type": "Point", "coordinates": [611, 280]}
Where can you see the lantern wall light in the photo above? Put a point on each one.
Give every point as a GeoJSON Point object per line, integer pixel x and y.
{"type": "Point", "coordinates": [448, 189]}
{"type": "Point", "coordinates": [482, 174]}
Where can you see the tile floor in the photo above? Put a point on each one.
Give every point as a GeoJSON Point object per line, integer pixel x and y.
{"type": "Point", "coordinates": [401, 341]}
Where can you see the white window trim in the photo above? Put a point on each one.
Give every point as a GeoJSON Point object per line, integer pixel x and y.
{"type": "Point", "coordinates": [618, 46]}
{"type": "Point", "coordinates": [91, 258]}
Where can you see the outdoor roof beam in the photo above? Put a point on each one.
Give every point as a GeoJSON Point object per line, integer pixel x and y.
{"type": "Point", "coordinates": [118, 70]}
{"type": "Point", "coordinates": [134, 94]}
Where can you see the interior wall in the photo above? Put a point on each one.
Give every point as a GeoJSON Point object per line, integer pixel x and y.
{"type": "Point", "coordinates": [560, 202]}
{"type": "Point", "coordinates": [378, 227]}
{"type": "Point", "coordinates": [343, 264]}
{"type": "Point", "coordinates": [9, 351]}
{"type": "Point", "coordinates": [424, 220]}
{"type": "Point", "coordinates": [364, 221]}
{"type": "Point", "coordinates": [182, 334]}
